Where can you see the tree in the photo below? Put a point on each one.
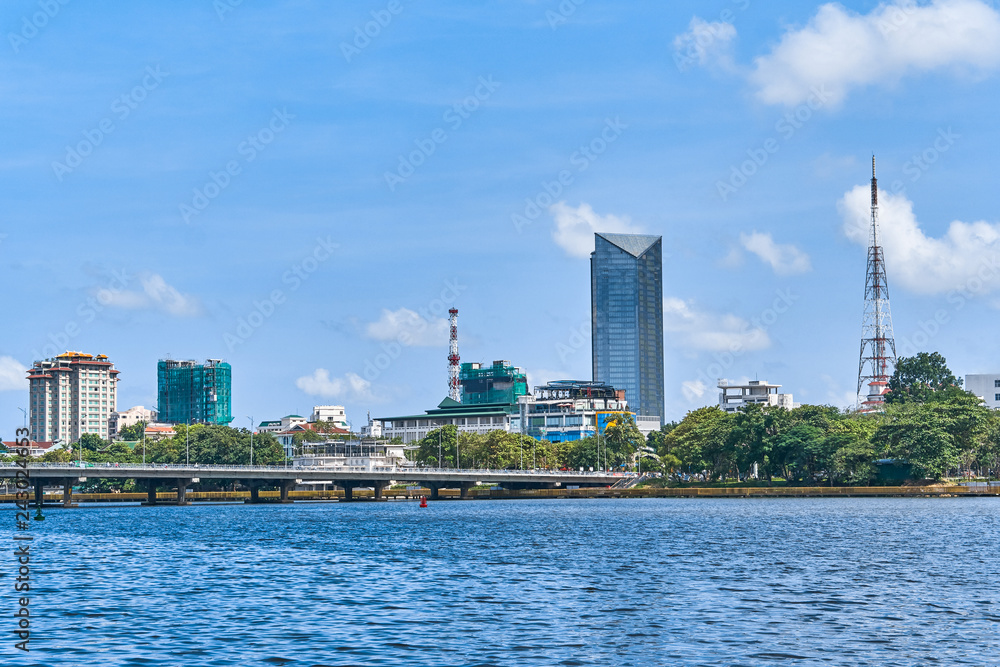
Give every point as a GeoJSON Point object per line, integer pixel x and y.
{"type": "Point", "coordinates": [133, 432]}
{"type": "Point", "coordinates": [699, 442]}
{"type": "Point", "coordinates": [922, 379]}
{"type": "Point", "coordinates": [622, 439]}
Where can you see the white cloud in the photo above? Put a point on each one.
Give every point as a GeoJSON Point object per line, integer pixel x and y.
{"type": "Point", "coordinates": [785, 259]}
{"type": "Point", "coordinates": [351, 387]}
{"type": "Point", "coordinates": [408, 327]}
{"type": "Point", "coordinates": [575, 227]}
{"type": "Point", "coordinates": [156, 293]}
{"type": "Point", "coordinates": [966, 257]}
{"type": "Point", "coordinates": [839, 50]}
{"type": "Point", "coordinates": [699, 330]}
{"type": "Point", "coordinates": [12, 375]}
{"type": "Point", "coordinates": [693, 389]}
{"type": "Point", "coordinates": [705, 44]}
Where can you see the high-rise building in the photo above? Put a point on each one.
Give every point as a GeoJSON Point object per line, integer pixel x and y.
{"type": "Point", "coordinates": [71, 394]}
{"type": "Point", "coordinates": [194, 393]}
{"type": "Point", "coordinates": [626, 291]}
{"type": "Point", "coordinates": [499, 383]}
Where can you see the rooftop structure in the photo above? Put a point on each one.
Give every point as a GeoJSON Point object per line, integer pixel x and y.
{"type": "Point", "coordinates": [734, 396]}
{"type": "Point", "coordinates": [567, 410]}
{"type": "Point", "coordinates": [474, 418]}
{"type": "Point", "coordinates": [70, 395]}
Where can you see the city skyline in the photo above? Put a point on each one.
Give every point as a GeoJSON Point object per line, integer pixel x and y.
{"type": "Point", "coordinates": [308, 204]}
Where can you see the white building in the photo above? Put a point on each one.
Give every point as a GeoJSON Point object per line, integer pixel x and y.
{"type": "Point", "coordinates": [365, 454]}
{"type": "Point", "coordinates": [278, 425]}
{"type": "Point", "coordinates": [69, 395]}
{"type": "Point", "coordinates": [130, 417]}
{"type": "Point", "coordinates": [330, 413]}
{"type": "Point", "coordinates": [986, 387]}
{"type": "Point", "coordinates": [567, 410]}
{"type": "Point", "coordinates": [734, 396]}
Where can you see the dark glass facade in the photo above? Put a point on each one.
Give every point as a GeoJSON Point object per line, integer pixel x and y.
{"type": "Point", "coordinates": [194, 393]}
{"type": "Point", "coordinates": [626, 292]}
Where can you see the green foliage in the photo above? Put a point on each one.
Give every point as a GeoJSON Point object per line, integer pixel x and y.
{"type": "Point", "coordinates": [923, 378]}
{"type": "Point", "coordinates": [133, 432]}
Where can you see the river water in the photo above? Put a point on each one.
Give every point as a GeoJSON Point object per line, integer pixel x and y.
{"type": "Point", "coordinates": [522, 582]}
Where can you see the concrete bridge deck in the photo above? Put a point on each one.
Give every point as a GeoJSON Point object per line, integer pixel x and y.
{"type": "Point", "coordinates": [349, 478]}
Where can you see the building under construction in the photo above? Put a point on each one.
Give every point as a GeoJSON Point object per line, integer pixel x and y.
{"type": "Point", "coordinates": [499, 383]}
{"type": "Point", "coordinates": [191, 393]}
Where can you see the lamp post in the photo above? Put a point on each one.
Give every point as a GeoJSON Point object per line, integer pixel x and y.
{"type": "Point", "coordinates": [187, 442]}
{"type": "Point", "coordinates": [250, 419]}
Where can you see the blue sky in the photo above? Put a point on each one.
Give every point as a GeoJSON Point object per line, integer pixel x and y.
{"type": "Point", "coordinates": [168, 171]}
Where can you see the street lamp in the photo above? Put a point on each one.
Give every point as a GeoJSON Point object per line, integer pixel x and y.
{"type": "Point", "coordinates": [250, 419]}
{"type": "Point", "coordinates": [187, 442]}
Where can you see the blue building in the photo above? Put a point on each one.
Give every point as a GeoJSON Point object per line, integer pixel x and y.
{"type": "Point", "coordinates": [626, 288]}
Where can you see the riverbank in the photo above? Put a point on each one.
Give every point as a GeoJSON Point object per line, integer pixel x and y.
{"type": "Point", "coordinates": [166, 497]}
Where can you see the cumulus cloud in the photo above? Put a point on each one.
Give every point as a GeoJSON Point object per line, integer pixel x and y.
{"type": "Point", "coordinates": [699, 330]}
{"type": "Point", "coordinates": [351, 387]}
{"type": "Point", "coordinates": [693, 389]}
{"type": "Point", "coordinates": [706, 44]}
{"type": "Point", "coordinates": [575, 227]}
{"type": "Point", "coordinates": [12, 375]}
{"type": "Point", "coordinates": [784, 259]}
{"type": "Point", "coordinates": [840, 50]}
{"type": "Point", "coordinates": [967, 256]}
{"type": "Point", "coordinates": [156, 293]}
{"type": "Point", "coordinates": [407, 327]}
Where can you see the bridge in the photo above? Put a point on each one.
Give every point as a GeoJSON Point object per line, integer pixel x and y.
{"type": "Point", "coordinates": [349, 478]}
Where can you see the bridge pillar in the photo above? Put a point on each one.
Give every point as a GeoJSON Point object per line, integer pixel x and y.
{"type": "Point", "coordinates": [39, 491]}
{"type": "Point", "coordinates": [466, 487]}
{"type": "Point", "coordinates": [254, 493]}
{"type": "Point", "coordinates": [150, 492]}
{"type": "Point", "coordinates": [286, 486]}
{"type": "Point", "coordinates": [434, 491]}
{"type": "Point", "coordinates": [182, 485]}
{"type": "Point", "coordinates": [68, 492]}
{"type": "Point", "coordinates": [379, 487]}
{"type": "Point", "coordinates": [348, 490]}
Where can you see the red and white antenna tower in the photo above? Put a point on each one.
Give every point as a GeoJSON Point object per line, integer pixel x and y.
{"type": "Point", "coordinates": [454, 390]}
{"type": "Point", "coordinates": [878, 347]}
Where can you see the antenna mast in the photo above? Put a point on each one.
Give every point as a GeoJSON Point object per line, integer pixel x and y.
{"type": "Point", "coordinates": [454, 391]}
{"type": "Point", "coordinates": [878, 347]}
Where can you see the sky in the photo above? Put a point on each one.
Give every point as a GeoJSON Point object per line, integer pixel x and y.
{"type": "Point", "coordinates": [303, 189]}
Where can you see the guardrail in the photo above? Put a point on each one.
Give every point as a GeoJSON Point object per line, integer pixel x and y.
{"type": "Point", "coordinates": [289, 469]}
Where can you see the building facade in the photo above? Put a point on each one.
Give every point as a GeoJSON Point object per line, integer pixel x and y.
{"type": "Point", "coordinates": [364, 454]}
{"type": "Point", "coordinates": [733, 396]}
{"type": "Point", "coordinates": [986, 387]}
{"type": "Point", "coordinates": [70, 395]}
{"type": "Point", "coordinates": [499, 383]}
{"type": "Point", "coordinates": [626, 287]}
{"type": "Point", "coordinates": [191, 393]}
{"type": "Point", "coordinates": [130, 417]}
{"type": "Point", "coordinates": [481, 418]}
{"type": "Point", "coordinates": [330, 413]}
{"type": "Point", "coordinates": [568, 410]}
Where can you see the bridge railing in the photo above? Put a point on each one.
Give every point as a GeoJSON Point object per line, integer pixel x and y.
{"type": "Point", "coordinates": [402, 470]}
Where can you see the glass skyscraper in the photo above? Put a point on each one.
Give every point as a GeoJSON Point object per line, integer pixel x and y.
{"type": "Point", "coordinates": [626, 293]}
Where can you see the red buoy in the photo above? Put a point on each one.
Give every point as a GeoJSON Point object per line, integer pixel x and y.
{"type": "Point", "coordinates": [423, 501]}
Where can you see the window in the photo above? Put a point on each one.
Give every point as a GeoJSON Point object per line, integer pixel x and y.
{"type": "Point", "coordinates": [996, 397]}
{"type": "Point", "coordinates": [996, 383]}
